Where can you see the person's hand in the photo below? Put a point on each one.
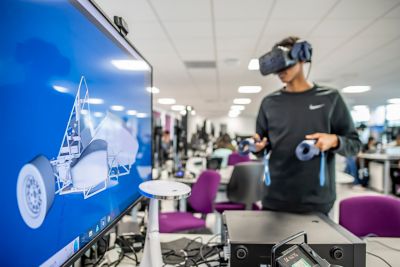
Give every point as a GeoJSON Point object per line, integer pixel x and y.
{"type": "Point", "coordinates": [260, 144]}
{"type": "Point", "coordinates": [324, 141]}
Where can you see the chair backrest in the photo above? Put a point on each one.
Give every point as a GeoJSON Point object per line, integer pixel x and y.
{"type": "Point", "coordinates": [371, 215]}
{"type": "Point", "coordinates": [236, 158]}
{"type": "Point", "coordinates": [204, 191]}
{"type": "Point", "coordinates": [246, 183]}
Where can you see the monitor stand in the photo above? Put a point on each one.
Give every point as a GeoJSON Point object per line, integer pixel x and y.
{"type": "Point", "coordinates": [158, 190]}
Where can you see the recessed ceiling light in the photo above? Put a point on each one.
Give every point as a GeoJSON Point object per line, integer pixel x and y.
{"type": "Point", "coordinates": [360, 107]}
{"type": "Point", "coordinates": [95, 101]}
{"type": "Point", "coordinates": [117, 108]}
{"type": "Point", "coordinates": [233, 113]}
{"type": "Point", "coordinates": [60, 89]}
{"type": "Point", "coordinates": [166, 101]}
{"type": "Point", "coordinates": [153, 90]}
{"type": "Point", "coordinates": [177, 107]}
{"type": "Point", "coordinates": [132, 65]}
{"type": "Point", "coordinates": [193, 112]}
{"type": "Point", "coordinates": [237, 107]}
{"type": "Point", "coordinates": [394, 101]}
{"type": "Point", "coordinates": [141, 115]}
{"type": "Point", "coordinates": [249, 89]}
{"type": "Point", "coordinates": [241, 101]}
{"type": "Point", "coordinates": [254, 64]}
{"type": "Point", "coordinates": [189, 108]}
{"type": "Point", "coordinates": [356, 89]}
{"type": "Point", "coordinates": [183, 112]}
{"type": "Point", "coordinates": [131, 112]}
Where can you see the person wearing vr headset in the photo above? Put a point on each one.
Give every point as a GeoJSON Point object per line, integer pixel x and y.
{"type": "Point", "coordinates": [301, 110]}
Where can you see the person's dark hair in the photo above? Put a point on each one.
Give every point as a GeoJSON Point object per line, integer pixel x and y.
{"type": "Point", "coordinates": [287, 42]}
{"type": "Point", "coordinates": [166, 132]}
{"type": "Point", "coordinates": [226, 138]}
{"type": "Point", "coordinates": [371, 139]}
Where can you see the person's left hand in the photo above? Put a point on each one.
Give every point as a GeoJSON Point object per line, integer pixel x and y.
{"type": "Point", "coordinates": [324, 141]}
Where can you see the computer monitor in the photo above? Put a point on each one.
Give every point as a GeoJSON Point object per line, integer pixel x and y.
{"type": "Point", "coordinates": [76, 129]}
{"type": "Point", "coordinates": [214, 163]}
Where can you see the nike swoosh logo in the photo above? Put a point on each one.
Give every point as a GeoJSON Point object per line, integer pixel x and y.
{"type": "Point", "coordinates": [313, 107]}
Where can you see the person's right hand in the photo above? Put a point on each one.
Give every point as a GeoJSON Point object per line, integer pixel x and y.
{"type": "Point", "coordinates": [260, 144]}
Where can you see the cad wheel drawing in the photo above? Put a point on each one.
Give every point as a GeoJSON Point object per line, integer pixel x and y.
{"type": "Point", "coordinates": [35, 191]}
{"type": "Point", "coordinates": [89, 161]}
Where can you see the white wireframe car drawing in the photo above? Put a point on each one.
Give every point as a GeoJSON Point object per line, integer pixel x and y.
{"type": "Point", "coordinates": [89, 161]}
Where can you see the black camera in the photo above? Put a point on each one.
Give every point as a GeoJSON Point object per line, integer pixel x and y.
{"type": "Point", "coordinates": [122, 25]}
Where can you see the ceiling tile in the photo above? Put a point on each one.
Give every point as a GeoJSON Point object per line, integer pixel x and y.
{"type": "Point", "coordinates": [192, 29]}
{"type": "Point", "coordinates": [304, 9]}
{"type": "Point", "coordinates": [383, 28]}
{"type": "Point", "coordinates": [146, 30]}
{"type": "Point", "coordinates": [340, 28]}
{"type": "Point", "coordinates": [235, 10]}
{"type": "Point", "coordinates": [130, 10]}
{"type": "Point", "coordinates": [361, 9]}
{"type": "Point", "coordinates": [195, 49]}
{"type": "Point", "coordinates": [186, 10]}
{"type": "Point", "coordinates": [394, 13]}
{"type": "Point", "coordinates": [238, 28]}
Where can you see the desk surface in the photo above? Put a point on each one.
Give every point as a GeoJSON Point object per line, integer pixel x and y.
{"type": "Point", "coordinates": [126, 262]}
{"type": "Point", "coordinates": [377, 156]}
{"type": "Point", "coordinates": [225, 177]}
{"type": "Point", "coordinates": [386, 248]}
{"type": "Point", "coordinates": [379, 246]}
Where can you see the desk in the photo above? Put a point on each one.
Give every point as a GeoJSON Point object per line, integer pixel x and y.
{"type": "Point", "coordinates": [225, 177]}
{"type": "Point", "coordinates": [386, 159]}
{"type": "Point", "coordinates": [112, 255]}
{"type": "Point", "coordinates": [376, 245]}
{"type": "Point", "coordinates": [373, 246]}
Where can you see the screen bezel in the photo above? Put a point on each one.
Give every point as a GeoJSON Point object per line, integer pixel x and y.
{"type": "Point", "coordinates": [109, 28]}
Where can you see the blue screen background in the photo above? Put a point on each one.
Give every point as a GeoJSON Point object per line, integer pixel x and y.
{"type": "Point", "coordinates": [47, 43]}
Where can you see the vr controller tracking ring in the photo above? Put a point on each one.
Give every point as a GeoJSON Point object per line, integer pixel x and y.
{"type": "Point", "coordinates": [307, 150]}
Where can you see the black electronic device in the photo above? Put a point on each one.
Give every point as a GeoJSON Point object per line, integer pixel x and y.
{"type": "Point", "coordinates": [122, 25]}
{"type": "Point", "coordinates": [297, 255]}
{"type": "Point", "coordinates": [251, 235]}
{"type": "Point", "coordinates": [214, 163]}
{"type": "Point", "coordinates": [281, 58]}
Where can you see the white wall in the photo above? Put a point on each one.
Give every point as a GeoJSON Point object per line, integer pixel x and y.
{"type": "Point", "coordinates": [242, 125]}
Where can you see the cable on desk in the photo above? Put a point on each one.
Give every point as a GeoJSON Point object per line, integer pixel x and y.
{"type": "Point", "coordinates": [126, 243]}
{"type": "Point", "coordinates": [383, 244]}
{"type": "Point", "coordinates": [188, 258]}
{"type": "Point", "coordinates": [379, 257]}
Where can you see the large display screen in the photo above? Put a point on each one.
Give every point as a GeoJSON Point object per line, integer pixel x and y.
{"type": "Point", "coordinates": [75, 128]}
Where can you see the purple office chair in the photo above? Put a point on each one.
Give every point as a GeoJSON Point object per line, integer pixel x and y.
{"type": "Point", "coordinates": [245, 187]}
{"type": "Point", "coordinates": [201, 200]}
{"type": "Point", "coordinates": [236, 158]}
{"type": "Point", "coordinates": [371, 215]}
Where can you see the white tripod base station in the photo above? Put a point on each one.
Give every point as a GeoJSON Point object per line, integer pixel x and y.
{"type": "Point", "coordinates": [156, 190]}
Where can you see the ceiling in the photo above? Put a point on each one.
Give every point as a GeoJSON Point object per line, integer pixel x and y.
{"type": "Point", "coordinates": [355, 42]}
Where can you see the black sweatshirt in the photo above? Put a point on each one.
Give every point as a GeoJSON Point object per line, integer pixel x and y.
{"type": "Point", "coordinates": [285, 118]}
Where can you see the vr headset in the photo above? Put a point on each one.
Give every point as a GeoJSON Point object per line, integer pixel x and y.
{"type": "Point", "coordinates": [281, 58]}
